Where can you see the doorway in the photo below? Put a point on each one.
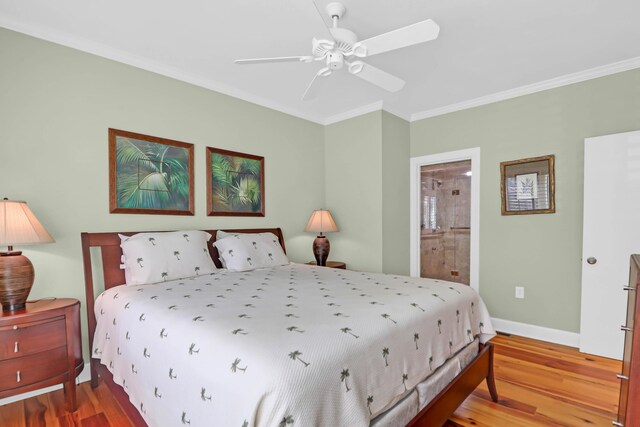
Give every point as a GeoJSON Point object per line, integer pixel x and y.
{"type": "Point", "coordinates": [445, 216]}
{"type": "Point", "coordinates": [445, 221]}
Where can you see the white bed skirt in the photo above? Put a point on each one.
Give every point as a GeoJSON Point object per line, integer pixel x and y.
{"type": "Point", "coordinates": [406, 409]}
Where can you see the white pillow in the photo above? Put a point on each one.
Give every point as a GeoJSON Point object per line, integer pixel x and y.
{"type": "Point", "coordinates": [247, 251]}
{"type": "Point", "coordinates": [159, 257]}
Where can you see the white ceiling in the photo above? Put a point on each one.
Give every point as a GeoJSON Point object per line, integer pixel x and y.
{"type": "Point", "coordinates": [485, 46]}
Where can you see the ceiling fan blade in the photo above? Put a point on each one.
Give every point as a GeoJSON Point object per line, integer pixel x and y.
{"type": "Point", "coordinates": [317, 84]}
{"type": "Point", "coordinates": [375, 76]}
{"type": "Point", "coordinates": [278, 59]}
{"type": "Point", "coordinates": [402, 37]}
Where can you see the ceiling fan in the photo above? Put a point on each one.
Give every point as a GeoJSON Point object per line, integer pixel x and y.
{"type": "Point", "coordinates": [344, 49]}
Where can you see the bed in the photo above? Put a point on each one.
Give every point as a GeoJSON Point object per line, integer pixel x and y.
{"type": "Point", "coordinates": [288, 345]}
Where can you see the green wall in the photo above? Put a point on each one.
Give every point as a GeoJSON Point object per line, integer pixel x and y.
{"type": "Point", "coordinates": [540, 252]}
{"type": "Point", "coordinates": [57, 104]}
{"type": "Point", "coordinates": [395, 194]}
{"type": "Point", "coordinates": [367, 190]}
{"type": "Point", "coordinates": [353, 182]}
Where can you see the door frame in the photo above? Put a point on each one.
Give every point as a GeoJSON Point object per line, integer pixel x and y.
{"type": "Point", "coordinates": [415, 164]}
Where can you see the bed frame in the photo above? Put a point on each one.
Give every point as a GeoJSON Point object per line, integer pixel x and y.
{"type": "Point", "coordinates": [435, 414]}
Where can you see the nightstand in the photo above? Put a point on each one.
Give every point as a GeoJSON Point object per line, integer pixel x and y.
{"type": "Point", "coordinates": [332, 264]}
{"type": "Point", "coordinates": [41, 346]}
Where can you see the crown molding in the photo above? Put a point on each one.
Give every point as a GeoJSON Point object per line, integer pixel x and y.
{"type": "Point", "coordinates": [355, 112]}
{"type": "Point", "coordinates": [581, 76]}
{"type": "Point", "coordinates": [397, 113]}
{"type": "Point", "coordinates": [368, 108]}
{"type": "Point", "coordinates": [152, 66]}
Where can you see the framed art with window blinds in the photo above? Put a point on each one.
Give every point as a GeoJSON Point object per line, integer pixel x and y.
{"type": "Point", "coordinates": [528, 186]}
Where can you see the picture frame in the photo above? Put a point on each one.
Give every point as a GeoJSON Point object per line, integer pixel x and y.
{"type": "Point", "coordinates": [527, 186]}
{"type": "Point", "coordinates": [235, 183]}
{"type": "Point", "coordinates": [150, 175]}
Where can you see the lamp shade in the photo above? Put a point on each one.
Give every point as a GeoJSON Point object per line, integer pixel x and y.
{"type": "Point", "coordinates": [321, 221]}
{"type": "Point", "coordinates": [19, 226]}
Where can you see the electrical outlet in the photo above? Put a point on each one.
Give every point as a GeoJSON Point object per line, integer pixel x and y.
{"type": "Point", "coordinates": [520, 292]}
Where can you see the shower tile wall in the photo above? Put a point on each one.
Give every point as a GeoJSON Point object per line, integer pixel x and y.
{"type": "Point", "coordinates": [445, 249]}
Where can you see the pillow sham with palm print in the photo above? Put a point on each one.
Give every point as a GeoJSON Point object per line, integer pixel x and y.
{"type": "Point", "coordinates": [159, 257]}
{"type": "Point", "coordinates": [248, 251]}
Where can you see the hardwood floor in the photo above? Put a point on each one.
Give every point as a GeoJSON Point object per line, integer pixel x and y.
{"type": "Point", "coordinates": [539, 384]}
{"type": "Point", "coordinates": [543, 384]}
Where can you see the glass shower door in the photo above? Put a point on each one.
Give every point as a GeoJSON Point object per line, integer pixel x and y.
{"type": "Point", "coordinates": [445, 221]}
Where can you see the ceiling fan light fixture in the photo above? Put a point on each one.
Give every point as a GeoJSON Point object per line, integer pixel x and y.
{"type": "Point", "coordinates": [359, 50]}
{"type": "Point", "coordinates": [355, 67]}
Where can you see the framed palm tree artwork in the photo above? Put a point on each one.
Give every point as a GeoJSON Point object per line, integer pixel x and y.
{"type": "Point", "coordinates": [235, 183]}
{"type": "Point", "coordinates": [149, 175]}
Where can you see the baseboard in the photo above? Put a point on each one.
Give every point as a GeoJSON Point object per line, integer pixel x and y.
{"type": "Point", "coordinates": [84, 376]}
{"type": "Point", "coordinates": [541, 333]}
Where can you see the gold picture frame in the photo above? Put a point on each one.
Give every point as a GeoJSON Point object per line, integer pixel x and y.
{"type": "Point", "coordinates": [527, 186]}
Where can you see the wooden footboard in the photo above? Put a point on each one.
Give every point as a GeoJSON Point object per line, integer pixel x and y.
{"type": "Point", "coordinates": [436, 413]}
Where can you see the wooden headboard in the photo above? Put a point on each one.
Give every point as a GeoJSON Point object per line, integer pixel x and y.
{"type": "Point", "coordinates": [109, 243]}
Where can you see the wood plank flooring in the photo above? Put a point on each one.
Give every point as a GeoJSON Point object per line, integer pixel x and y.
{"type": "Point", "coordinates": [543, 384]}
{"type": "Point", "coordinates": [539, 384]}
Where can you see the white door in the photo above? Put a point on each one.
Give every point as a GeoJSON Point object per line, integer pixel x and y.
{"type": "Point", "coordinates": [611, 233]}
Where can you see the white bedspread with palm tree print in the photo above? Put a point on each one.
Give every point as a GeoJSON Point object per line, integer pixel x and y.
{"type": "Point", "coordinates": [287, 346]}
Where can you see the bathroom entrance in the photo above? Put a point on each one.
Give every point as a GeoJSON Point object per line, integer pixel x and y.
{"type": "Point", "coordinates": [445, 221]}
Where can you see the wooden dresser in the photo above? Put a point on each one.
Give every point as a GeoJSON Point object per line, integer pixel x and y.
{"type": "Point", "coordinates": [41, 346]}
{"type": "Point", "coordinates": [629, 406]}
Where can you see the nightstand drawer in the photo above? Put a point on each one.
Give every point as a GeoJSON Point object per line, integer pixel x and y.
{"type": "Point", "coordinates": [38, 367]}
{"type": "Point", "coordinates": [30, 338]}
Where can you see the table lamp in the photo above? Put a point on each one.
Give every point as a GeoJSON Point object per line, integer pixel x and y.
{"type": "Point", "coordinates": [321, 222]}
{"type": "Point", "coordinates": [18, 226]}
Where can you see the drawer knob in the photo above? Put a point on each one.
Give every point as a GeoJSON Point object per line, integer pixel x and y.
{"type": "Point", "coordinates": [622, 377]}
{"type": "Point", "coordinates": [625, 328]}
{"type": "Point", "coordinates": [617, 423]}
{"type": "Point", "coordinates": [18, 378]}
{"type": "Point", "coordinates": [15, 327]}
{"type": "Point", "coordinates": [15, 347]}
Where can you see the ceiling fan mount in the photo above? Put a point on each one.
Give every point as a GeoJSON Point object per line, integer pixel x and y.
{"type": "Point", "coordinates": [344, 44]}
{"type": "Point", "coordinates": [335, 10]}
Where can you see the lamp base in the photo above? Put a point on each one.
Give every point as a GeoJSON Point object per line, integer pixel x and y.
{"type": "Point", "coordinates": [16, 279]}
{"type": "Point", "coordinates": [321, 249]}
